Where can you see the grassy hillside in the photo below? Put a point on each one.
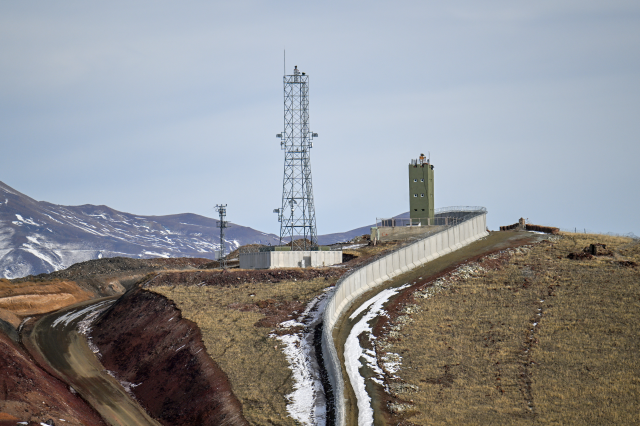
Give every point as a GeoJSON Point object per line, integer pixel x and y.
{"type": "Point", "coordinates": [525, 337]}
{"type": "Point", "coordinates": [236, 323]}
{"type": "Point", "coordinates": [238, 310]}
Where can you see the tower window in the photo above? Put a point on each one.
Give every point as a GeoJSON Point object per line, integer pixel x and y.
{"type": "Point", "coordinates": [415, 210]}
{"type": "Point", "coordinates": [422, 180]}
{"type": "Point", "coordinates": [415, 195]}
{"type": "Point", "coordinates": [422, 209]}
{"type": "Point", "coordinates": [415, 180]}
{"type": "Point", "coordinates": [422, 195]}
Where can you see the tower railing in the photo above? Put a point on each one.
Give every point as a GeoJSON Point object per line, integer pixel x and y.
{"type": "Point", "coordinates": [416, 221]}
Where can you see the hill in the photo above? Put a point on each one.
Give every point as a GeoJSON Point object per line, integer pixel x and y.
{"type": "Point", "coordinates": [39, 237]}
{"type": "Point", "coordinates": [541, 334]}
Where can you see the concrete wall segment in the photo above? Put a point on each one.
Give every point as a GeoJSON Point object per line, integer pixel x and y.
{"type": "Point", "coordinates": [363, 277]}
{"type": "Point", "coordinates": [402, 261]}
{"type": "Point", "coordinates": [375, 271]}
{"type": "Point", "coordinates": [370, 279]}
{"type": "Point", "coordinates": [388, 266]}
{"type": "Point", "coordinates": [395, 257]}
{"type": "Point", "coordinates": [355, 283]}
{"type": "Point", "coordinates": [415, 254]}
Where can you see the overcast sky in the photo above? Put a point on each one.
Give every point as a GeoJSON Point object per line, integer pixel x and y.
{"type": "Point", "coordinates": [530, 109]}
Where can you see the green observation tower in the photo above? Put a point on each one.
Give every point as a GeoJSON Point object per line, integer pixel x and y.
{"type": "Point", "coordinates": [421, 191]}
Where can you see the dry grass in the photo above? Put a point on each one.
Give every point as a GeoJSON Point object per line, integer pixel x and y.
{"type": "Point", "coordinates": [257, 368]}
{"type": "Point", "coordinates": [258, 371]}
{"type": "Point", "coordinates": [368, 251]}
{"type": "Point", "coordinates": [363, 254]}
{"type": "Point", "coordinates": [477, 357]}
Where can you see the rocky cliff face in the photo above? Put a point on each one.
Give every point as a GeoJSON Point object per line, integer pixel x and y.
{"type": "Point", "coordinates": [161, 358]}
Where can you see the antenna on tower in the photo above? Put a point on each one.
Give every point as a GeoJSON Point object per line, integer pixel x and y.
{"type": "Point", "coordinates": [222, 224]}
{"type": "Point", "coordinates": [297, 214]}
{"type": "Point", "coordinates": [285, 62]}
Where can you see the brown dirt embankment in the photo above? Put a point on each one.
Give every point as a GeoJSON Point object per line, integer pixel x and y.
{"type": "Point", "coordinates": [29, 394]}
{"type": "Point", "coordinates": [44, 293]}
{"type": "Point", "coordinates": [32, 298]}
{"type": "Point", "coordinates": [145, 341]}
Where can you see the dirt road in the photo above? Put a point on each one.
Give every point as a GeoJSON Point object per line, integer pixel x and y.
{"type": "Point", "coordinates": [65, 350]}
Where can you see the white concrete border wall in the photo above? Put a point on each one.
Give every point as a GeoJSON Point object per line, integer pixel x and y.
{"type": "Point", "coordinates": [289, 259]}
{"type": "Point", "coordinates": [375, 273]}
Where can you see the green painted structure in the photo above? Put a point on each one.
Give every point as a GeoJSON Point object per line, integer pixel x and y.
{"type": "Point", "coordinates": [421, 189]}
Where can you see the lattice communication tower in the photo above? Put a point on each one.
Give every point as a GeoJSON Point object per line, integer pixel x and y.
{"type": "Point", "coordinates": [297, 215]}
{"type": "Point", "coordinates": [222, 224]}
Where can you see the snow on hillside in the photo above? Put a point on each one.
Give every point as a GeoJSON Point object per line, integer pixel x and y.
{"type": "Point", "coordinates": [38, 237]}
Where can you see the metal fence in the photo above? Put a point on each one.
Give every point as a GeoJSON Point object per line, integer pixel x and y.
{"type": "Point", "coordinates": [444, 216]}
{"type": "Point", "coordinates": [423, 221]}
{"type": "Point", "coordinates": [460, 209]}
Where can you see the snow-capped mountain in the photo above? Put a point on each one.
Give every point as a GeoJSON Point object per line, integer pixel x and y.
{"type": "Point", "coordinates": [38, 237]}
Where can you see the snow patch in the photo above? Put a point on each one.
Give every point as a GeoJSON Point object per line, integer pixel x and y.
{"type": "Point", "coordinates": [50, 217]}
{"type": "Point", "coordinates": [84, 326]}
{"type": "Point", "coordinates": [353, 352]}
{"type": "Point", "coordinates": [307, 403]}
{"type": "Point", "coordinates": [56, 264]}
{"type": "Point", "coordinates": [101, 215]}
{"type": "Point", "coordinates": [77, 313]}
{"type": "Point", "coordinates": [29, 221]}
{"type": "Point", "coordinates": [354, 246]}
{"type": "Point", "coordinates": [128, 386]}
{"type": "Point", "coordinates": [152, 253]}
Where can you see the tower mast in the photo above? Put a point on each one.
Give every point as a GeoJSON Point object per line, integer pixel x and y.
{"type": "Point", "coordinates": [297, 213]}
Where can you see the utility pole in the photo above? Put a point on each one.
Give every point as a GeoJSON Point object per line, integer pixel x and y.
{"type": "Point", "coordinates": [222, 224]}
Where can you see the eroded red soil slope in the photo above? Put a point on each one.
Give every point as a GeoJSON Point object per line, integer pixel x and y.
{"type": "Point", "coordinates": [29, 394]}
{"type": "Point", "coordinates": [145, 341]}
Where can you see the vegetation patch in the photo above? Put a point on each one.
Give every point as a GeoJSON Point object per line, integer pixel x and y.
{"type": "Point", "coordinates": [525, 335]}
{"type": "Point", "coordinates": [235, 277]}
{"type": "Point", "coordinates": [236, 321]}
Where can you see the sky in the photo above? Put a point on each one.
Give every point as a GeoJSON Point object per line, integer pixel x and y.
{"type": "Point", "coordinates": [530, 109]}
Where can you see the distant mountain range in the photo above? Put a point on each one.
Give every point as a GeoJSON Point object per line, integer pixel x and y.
{"type": "Point", "coordinates": [39, 237]}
